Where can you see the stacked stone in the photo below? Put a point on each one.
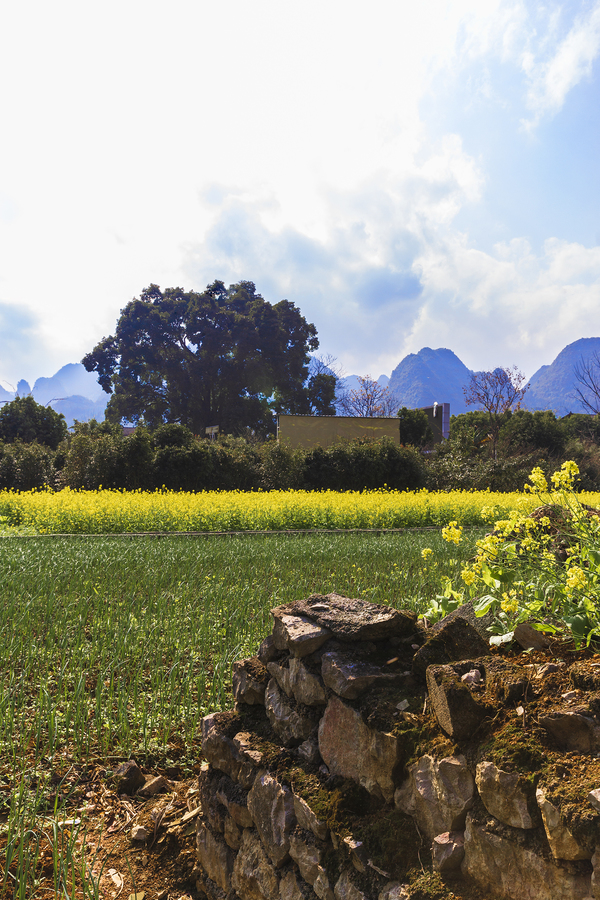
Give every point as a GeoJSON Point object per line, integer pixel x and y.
{"type": "Point", "coordinates": [257, 839]}
{"type": "Point", "coordinates": [314, 683]}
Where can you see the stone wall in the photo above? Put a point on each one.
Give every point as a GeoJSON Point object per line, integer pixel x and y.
{"type": "Point", "coordinates": [369, 758]}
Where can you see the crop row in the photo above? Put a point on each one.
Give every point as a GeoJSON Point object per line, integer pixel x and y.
{"type": "Point", "coordinates": [114, 512]}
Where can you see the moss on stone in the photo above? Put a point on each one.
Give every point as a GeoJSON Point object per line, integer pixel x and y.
{"type": "Point", "coordinates": [515, 748]}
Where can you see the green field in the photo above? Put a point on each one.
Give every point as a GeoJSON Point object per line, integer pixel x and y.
{"type": "Point", "coordinates": [118, 645]}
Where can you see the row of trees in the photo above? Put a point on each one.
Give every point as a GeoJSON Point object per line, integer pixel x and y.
{"type": "Point", "coordinates": [99, 454]}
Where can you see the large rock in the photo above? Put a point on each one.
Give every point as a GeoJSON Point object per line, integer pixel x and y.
{"type": "Point", "coordinates": [454, 641]}
{"type": "Point", "coordinates": [254, 877]}
{"type": "Point", "coordinates": [353, 750]}
{"type": "Point", "coordinates": [292, 887]}
{"type": "Point", "coordinates": [128, 778]}
{"type": "Point", "coordinates": [505, 795]}
{"type": "Point", "coordinates": [235, 801]}
{"type": "Point", "coordinates": [458, 710]}
{"type": "Point", "coordinates": [351, 620]}
{"type": "Point", "coordinates": [349, 678]}
{"type": "Point", "coordinates": [233, 756]}
{"type": "Point", "coordinates": [308, 857]}
{"type": "Point", "coordinates": [307, 819]}
{"type": "Point", "coordinates": [467, 612]}
{"type": "Point", "coordinates": [448, 851]}
{"type": "Point", "coordinates": [271, 806]}
{"type": "Point", "coordinates": [215, 857]}
{"type": "Point", "coordinates": [573, 729]}
{"type": "Point", "coordinates": [307, 688]}
{"type": "Point", "coordinates": [345, 890]}
{"type": "Point", "coordinates": [281, 674]}
{"type": "Point", "coordinates": [509, 869]}
{"type": "Point", "coordinates": [562, 842]}
{"type": "Point", "coordinates": [437, 793]}
{"type": "Point", "coordinates": [249, 681]}
{"type": "Point", "coordinates": [291, 723]}
{"type": "Point", "coordinates": [296, 681]}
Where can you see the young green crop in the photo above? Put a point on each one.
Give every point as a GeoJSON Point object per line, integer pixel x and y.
{"type": "Point", "coordinates": [119, 645]}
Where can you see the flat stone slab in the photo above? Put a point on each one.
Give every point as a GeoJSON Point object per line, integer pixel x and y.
{"type": "Point", "coordinates": [298, 634]}
{"type": "Point", "coordinates": [351, 620]}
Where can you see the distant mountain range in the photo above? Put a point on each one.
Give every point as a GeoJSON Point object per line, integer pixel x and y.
{"type": "Point", "coordinates": [420, 379]}
{"type": "Point", "coordinates": [430, 376]}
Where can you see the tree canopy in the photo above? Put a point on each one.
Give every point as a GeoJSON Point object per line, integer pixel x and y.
{"type": "Point", "coordinates": [25, 420]}
{"type": "Point", "coordinates": [222, 357]}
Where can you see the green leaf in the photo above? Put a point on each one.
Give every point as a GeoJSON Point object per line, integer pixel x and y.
{"type": "Point", "coordinates": [579, 626]}
{"type": "Point", "coordinates": [483, 604]}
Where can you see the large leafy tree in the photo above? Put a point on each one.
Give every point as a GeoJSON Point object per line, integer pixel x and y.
{"type": "Point", "coordinates": [222, 357]}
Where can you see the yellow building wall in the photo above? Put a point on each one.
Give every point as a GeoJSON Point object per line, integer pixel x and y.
{"type": "Point", "coordinates": [314, 431]}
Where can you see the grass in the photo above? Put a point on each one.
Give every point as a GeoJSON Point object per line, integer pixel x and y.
{"type": "Point", "coordinates": [114, 646]}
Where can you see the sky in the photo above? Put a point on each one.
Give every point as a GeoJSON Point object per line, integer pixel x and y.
{"type": "Point", "coordinates": [408, 175]}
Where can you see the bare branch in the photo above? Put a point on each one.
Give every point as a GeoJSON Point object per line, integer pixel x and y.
{"type": "Point", "coordinates": [496, 392]}
{"type": "Point", "coordinates": [370, 399]}
{"type": "Point", "coordinates": [587, 374]}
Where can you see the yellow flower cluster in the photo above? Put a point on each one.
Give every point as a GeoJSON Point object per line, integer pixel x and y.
{"type": "Point", "coordinates": [565, 478]}
{"type": "Point", "coordinates": [452, 533]}
{"type": "Point", "coordinates": [576, 581]}
{"type": "Point", "coordinates": [510, 602]}
{"type": "Point", "coordinates": [112, 511]}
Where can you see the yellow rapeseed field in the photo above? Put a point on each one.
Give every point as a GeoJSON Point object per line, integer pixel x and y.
{"type": "Point", "coordinates": [111, 511]}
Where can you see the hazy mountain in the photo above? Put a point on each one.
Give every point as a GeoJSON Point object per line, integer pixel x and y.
{"type": "Point", "coordinates": [72, 391]}
{"type": "Point", "coordinates": [72, 380]}
{"type": "Point", "coordinates": [81, 408]}
{"type": "Point", "coordinates": [431, 376]}
{"type": "Point", "coordinates": [555, 386]}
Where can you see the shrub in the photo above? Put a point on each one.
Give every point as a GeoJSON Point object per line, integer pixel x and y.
{"type": "Point", "coordinates": [362, 465]}
{"type": "Point", "coordinates": [26, 467]}
{"type": "Point", "coordinates": [25, 420]}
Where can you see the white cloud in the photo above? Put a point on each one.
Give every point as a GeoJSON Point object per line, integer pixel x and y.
{"type": "Point", "coordinates": [277, 142]}
{"type": "Point", "coordinates": [513, 306]}
{"type": "Point", "coordinates": [569, 62]}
